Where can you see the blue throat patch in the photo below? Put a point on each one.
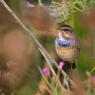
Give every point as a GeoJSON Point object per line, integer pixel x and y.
{"type": "Point", "coordinates": [65, 43]}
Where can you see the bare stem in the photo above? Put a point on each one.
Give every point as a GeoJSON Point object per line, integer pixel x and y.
{"type": "Point", "coordinates": [28, 31]}
{"type": "Point", "coordinates": [50, 60]}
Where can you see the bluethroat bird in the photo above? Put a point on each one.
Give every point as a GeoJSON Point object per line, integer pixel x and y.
{"type": "Point", "coordinates": [66, 44]}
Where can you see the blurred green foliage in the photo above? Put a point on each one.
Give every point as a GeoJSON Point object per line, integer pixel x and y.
{"type": "Point", "coordinates": [85, 62]}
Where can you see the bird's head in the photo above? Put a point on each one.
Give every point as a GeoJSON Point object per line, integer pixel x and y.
{"type": "Point", "coordinates": [66, 32]}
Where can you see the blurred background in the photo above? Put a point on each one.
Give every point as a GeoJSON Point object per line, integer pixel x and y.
{"type": "Point", "coordinates": [83, 23]}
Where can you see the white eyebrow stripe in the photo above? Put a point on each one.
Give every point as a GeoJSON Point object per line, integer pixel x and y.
{"type": "Point", "coordinates": [60, 36]}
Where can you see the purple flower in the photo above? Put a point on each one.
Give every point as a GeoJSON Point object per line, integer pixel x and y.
{"type": "Point", "coordinates": [61, 64]}
{"type": "Point", "coordinates": [45, 70]}
{"type": "Point", "coordinates": [29, 5]}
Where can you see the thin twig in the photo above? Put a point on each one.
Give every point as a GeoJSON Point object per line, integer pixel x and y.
{"type": "Point", "coordinates": [56, 77]}
{"type": "Point", "coordinates": [49, 87]}
{"type": "Point", "coordinates": [28, 31]}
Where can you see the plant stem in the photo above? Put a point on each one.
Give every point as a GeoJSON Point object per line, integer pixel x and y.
{"type": "Point", "coordinates": [26, 30]}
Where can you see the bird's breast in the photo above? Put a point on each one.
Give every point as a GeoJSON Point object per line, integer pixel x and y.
{"type": "Point", "coordinates": [67, 53]}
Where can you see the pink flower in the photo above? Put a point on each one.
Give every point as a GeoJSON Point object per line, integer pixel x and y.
{"type": "Point", "coordinates": [93, 80]}
{"type": "Point", "coordinates": [61, 64]}
{"type": "Point", "coordinates": [29, 5]}
{"type": "Point", "coordinates": [45, 70]}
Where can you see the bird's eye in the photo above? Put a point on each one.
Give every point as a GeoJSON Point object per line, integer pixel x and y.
{"type": "Point", "coordinates": [66, 29]}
